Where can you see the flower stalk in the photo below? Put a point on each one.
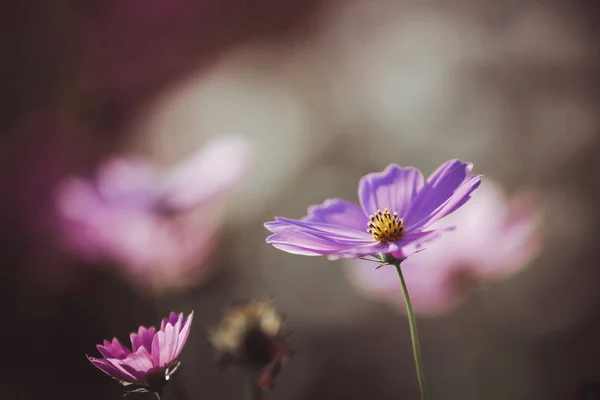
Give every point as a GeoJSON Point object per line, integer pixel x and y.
{"type": "Point", "coordinates": [414, 334]}
{"type": "Point", "coordinates": [253, 391]}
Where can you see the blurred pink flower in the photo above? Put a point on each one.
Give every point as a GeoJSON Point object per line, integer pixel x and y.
{"type": "Point", "coordinates": [494, 238]}
{"type": "Point", "coordinates": [159, 225]}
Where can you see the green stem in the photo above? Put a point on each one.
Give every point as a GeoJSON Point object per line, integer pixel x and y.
{"type": "Point", "coordinates": [414, 335]}
{"type": "Point", "coordinates": [253, 392]}
{"type": "Point", "coordinates": [158, 395]}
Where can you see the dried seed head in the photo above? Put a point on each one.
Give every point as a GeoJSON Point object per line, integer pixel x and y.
{"type": "Point", "coordinates": [251, 336]}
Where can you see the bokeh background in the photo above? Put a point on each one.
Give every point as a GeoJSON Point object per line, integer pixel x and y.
{"type": "Point", "coordinates": [324, 92]}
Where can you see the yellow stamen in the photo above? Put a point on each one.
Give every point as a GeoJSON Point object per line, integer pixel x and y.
{"type": "Point", "coordinates": [385, 227]}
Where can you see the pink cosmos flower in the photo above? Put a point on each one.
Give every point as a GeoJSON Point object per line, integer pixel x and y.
{"type": "Point", "coordinates": [159, 225]}
{"type": "Point", "coordinates": [397, 211]}
{"type": "Point", "coordinates": [152, 360]}
{"type": "Point", "coordinates": [494, 238]}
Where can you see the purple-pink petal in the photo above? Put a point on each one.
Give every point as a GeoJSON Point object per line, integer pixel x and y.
{"type": "Point", "coordinates": [313, 242]}
{"type": "Point", "coordinates": [142, 338]}
{"type": "Point", "coordinates": [314, 238]}
{"type": "Point", "coordinates": [157, 342]}
{"type": "Point", "coordinates": [211, 171]}
{"type": "Point", "coordinates": [457, 200]}
{"type": "Point", "coordinates": [153, 351]}
{"type": "Point", "coordinates": [140, 362]}
{"type": "Point", "coordinates": [339, 233]}
{"type": "Point", "coordinates": [413, 242]}
{"type": "Point", "coordinates": [338, 212]}
{"type": "Point", "coordinates": [437, 191]}
{"type": "Point", "coordinates": [373, 249]}
{"type": "Point", "coordinates": [443, 170]}
{"type": "Point", "coordinates": [400, 249]}
{"type": "Point", "coordinates": [275, 226]}
{"type": "Point", "coordinates": [104, 350]}
{"type": "Point", "coordinates": [128, 182]}
{"type": "Point", "coordinates": [307, 251]}
{"type": "Point", "coordinates": [171, 320]}
{"type": "Point", "coordinates": [183, 334]}
{"type": "Point", "coordinates": [394, 188]}
{"type": "Point", "coordinates": [113, 349]}
{"type": "Point", "coordinates": [163, 347]}
{"type": "Point", "coordinates": [174, 339]}
{"type": "Point", "coordinates": [169, 340]}
{"type": "Point", "coordinates": [299, 250]}
{"type": "Point", "coordinates": [112, 370]}
{"type": "Point", "coordinates": [180, 318]}
{"type": "Point", "coordinates": [138, 376]}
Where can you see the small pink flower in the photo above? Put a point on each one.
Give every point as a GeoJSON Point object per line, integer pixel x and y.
{"type": "Point", "coordinates": [152, 360]}
{"type": "Point", "coordinates": [159, 225]}
{"type": "Point", "coordinates": [494, 238]}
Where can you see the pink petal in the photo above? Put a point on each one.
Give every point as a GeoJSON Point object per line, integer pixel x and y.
{"type": "Point", "coordinates": [164, 345]}
{"type": "Point", "coordinates": [336, 232]}
{"type": "Point", "coordinates": [168, 347]}
{"type": "Point", "coordinates": [411, 243]}
{"type": "Point", "coordinates": [215, 169]}
{"type": "Point", "coordinates": [172, 320]}
{"type": "Point", "coordinates": [138, 376]}
{"type": "Point", "coordinates": [175, 338]}
{"type": "Point", "coordinates": [128, 182]}
{"type": "Point", "coordinates": [183, 335]}
{"type": "Point", "coordinates": [437, 191]}
{"type": "Point", "coordinates": [458, 199]}
{"type": "Point", "coordinates": [140, 361]}
{"type": "Point", "coordinates": [111, 370]}
{"type": "Point", "coordinates": [338, 212]}
{"type": "Point", "coordinates": [113, 349]}
{"type": "Point", "coordinates": [394, 189]}
{"type": "Point", "coordinates": [157, 342]}
{"type": "Point", "coordinates": [299, 250]}
{"type": "Point", "coordinates": [143, 338]}
{"type": "Point", "coordinates": [311, 243]}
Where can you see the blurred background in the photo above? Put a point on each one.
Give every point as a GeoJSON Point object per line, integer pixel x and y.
{"type": "Point", "coordinates": [316, 94]}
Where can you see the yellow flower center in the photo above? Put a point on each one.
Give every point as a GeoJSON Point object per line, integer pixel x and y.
{"type": "Point", "coordinates": [385, 227]}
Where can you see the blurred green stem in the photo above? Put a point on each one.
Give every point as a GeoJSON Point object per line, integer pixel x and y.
{"type": "Point", "coordinates": [414, 335]}
{"type": "Point", "coordinates": [158, 395]}
{"type": "Point", "coordinates": [253, 392]}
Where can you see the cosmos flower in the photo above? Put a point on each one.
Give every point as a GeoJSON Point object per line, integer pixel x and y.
{"type": "Point", "coordinates": [251, 336]}
{"type": "Point", "coordinates": [395, 217]}
{"type": "Point", "coordinates": [152, 360]}
{"type": "Point", "coordinates": [495, 237]}
{"type": "Point", "coordinates": [158, 225]}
